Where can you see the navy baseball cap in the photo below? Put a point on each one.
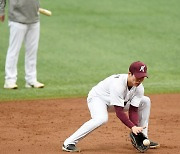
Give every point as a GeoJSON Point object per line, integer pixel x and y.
{"type": "Point", "coordinates": [139, 69]}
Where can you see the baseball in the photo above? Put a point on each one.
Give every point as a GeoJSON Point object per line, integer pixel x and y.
{"type": "Point", "coordinates": [146, 142]}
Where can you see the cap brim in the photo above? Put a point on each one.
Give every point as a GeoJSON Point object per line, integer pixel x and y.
{"type": "Point", "coordinates": [140, 75]}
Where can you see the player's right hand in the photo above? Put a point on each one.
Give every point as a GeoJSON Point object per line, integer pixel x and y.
{"type": "Point", "coordinates": [137, 130]}
{"type": "Point", "coordinates": [2, 18]}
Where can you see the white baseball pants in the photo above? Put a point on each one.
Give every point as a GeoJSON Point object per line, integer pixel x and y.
{"type": "Point", "coordinates": [99, 116]}
{"type": "Point", "coordinates": [29, 33]}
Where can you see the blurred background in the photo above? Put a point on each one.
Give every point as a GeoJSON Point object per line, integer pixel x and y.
{"type": "Point", "coordinates": [83, 42]}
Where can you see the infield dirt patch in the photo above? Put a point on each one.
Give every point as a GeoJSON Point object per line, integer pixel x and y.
{"type": "Point", "coordinates": [41, 126]}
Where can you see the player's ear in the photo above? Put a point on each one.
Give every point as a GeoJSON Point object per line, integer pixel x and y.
{"type": "Point", "coordinates": [130, 74]}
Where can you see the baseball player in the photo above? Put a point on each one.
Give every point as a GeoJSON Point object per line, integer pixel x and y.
{"type": "Point", "coordinates": [126, 93]}
{"type": "Point", "coordinates": [24, 26]}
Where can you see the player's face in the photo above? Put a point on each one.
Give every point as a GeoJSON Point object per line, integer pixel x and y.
{"type": "Point", "coordinates": [133, 81]}
{"type": "Point", "coordinates": [137, 81]}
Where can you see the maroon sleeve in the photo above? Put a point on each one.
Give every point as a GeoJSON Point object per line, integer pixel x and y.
{"type": "Point", "coordinates": [123, 117]}
{"type": "Point", "coordinates": [133, 114]}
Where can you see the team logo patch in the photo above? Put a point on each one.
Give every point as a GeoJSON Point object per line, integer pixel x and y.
{"type": "Point", "coordinates": [142, 68]}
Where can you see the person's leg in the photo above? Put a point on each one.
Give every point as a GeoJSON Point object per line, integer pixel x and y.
{"type": "Point", "coordinates": [31, 46]}
{"type": "Point", "coordinates": [99, 115]}
{"type": "Point", "coordinates": [16, 37]}
{"type": "Point", "coordinates": [144, 113]}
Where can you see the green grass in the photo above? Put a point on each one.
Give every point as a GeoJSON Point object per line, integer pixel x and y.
{"type": "Point", "coordinates": [84, 42]}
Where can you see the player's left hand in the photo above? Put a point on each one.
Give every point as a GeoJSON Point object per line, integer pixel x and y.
{"type": "Point", "coordinates": [137, 141]}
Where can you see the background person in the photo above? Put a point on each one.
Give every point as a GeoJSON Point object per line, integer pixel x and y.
{"type": "Point", "coordinates": [24, 26]}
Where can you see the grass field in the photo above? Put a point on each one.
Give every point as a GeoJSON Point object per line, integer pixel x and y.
{"type": "Point", "coordinates": [85, 41]}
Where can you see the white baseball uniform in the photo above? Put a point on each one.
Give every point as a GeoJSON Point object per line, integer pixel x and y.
{"type": "Point", "coordinates": [29, 33]}
{"type": "Point", "coordinates": [112, 91]}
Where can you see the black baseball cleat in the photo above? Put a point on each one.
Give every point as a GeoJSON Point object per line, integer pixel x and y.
{"type": "Point", "coordinates": [154, 145]}
{"type": "Point", "coordinates": [70, 148]}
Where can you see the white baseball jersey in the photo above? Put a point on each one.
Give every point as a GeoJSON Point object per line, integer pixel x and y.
{"type": "Point", "coordinates": [114, 91]}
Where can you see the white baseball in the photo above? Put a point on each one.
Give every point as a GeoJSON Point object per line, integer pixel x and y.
{"type": "Point", "coordinates": [146, 142]}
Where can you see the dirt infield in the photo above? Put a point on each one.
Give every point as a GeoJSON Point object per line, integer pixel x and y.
{"type": "Point", "coordinates": [41, 126]}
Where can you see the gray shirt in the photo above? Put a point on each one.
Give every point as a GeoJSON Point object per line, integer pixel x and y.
{"type": "Point", "coordinates": [22, 11]}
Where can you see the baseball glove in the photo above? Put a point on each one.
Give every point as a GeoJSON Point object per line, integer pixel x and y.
{"type": "Point", "coordinates": [137, 141]}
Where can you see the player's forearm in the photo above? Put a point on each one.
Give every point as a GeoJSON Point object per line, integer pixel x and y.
{"type": "Point", "coordinates": [123, 117]}
{"type": "Point", "coordinates": [133, 114]}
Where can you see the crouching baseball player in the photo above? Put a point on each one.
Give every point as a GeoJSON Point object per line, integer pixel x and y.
{"type": "Point", "coordinates": [126, 93]}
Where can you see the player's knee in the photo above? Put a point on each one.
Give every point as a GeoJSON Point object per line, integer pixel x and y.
{"type": "Point", "coordinates": [147, 101]}
{"type": "Point", "coordinates": [101, 121]}
{"type": "Point", "coordinates": [105, 120]}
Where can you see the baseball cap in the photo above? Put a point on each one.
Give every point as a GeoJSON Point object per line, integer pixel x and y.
{"type": "Point", "coordinates": [139, 69]}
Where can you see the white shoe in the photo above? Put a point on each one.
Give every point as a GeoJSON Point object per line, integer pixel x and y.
{"type": "Point", "coordinates": [10, 85]}
{"type": "Point", "coordinates": [34, 85]}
